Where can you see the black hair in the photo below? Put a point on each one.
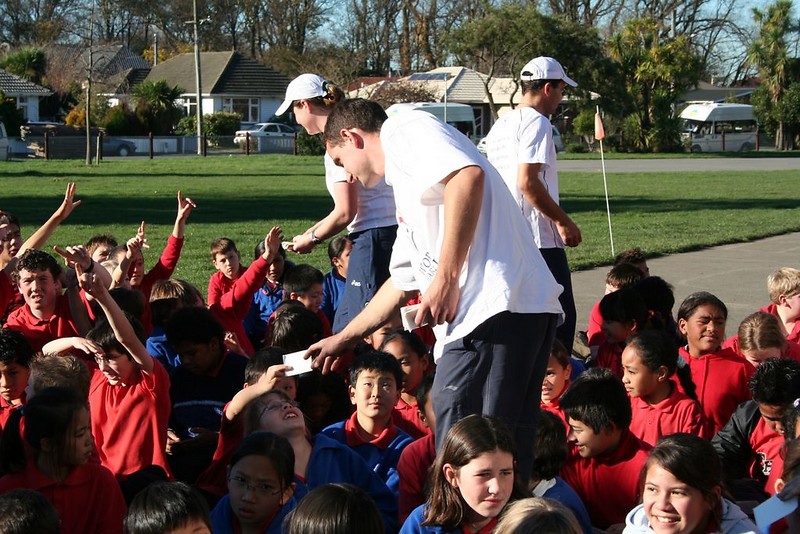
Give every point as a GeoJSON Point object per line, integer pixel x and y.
{"type": "Point", "coordinates": [261, 249]}
{"type": "Point", "coordinates": [272, 446]}
{"type": "Point", "coordinates": [165, 507]}
{"type": "Point", "coordinates": [624, 275]}
{"type": "Point", "coordinates": [424, 390]}
{"type": "Point", "coordinates": [366, 115]}
{"type": "Point", "coordinates": [195, 325]}
{"type": "Point", "coordinates": [375, 360]}
{"type": "Point", "coordinates": [300, 279]}
{"type": "Point", "coordinates": [15, 348]}
{"type": "Point", "coordinates": [103, 334]}
{"type": "Point", "coordinates": [315, 390]}
{"type": "Point", "coordinates": [335, 509]}
{"type": "Point", "coordinates": [598, 399]}
{"type": "Point", "coordinates": [656, 349]}
{"type": "Point", "coordinates": [624, 306]}
{"type": "Point", "coordinates": [337, 245]}
{"type": "Point", "coordinates": [700, 298]}
{"type": "Point", "coordinates": [294, 327]}
{"type": "Point", "coordinates": [551, 446]}
{"type": "Point", "coordinates": [33, 260]}
{"type": "Point", "coordinates": [659, 298]}
{"type": "Point", "coordinates": [529, 86]}
{"type": "Point", "coordinates": [49, 415]}
{"type": "Point", "coordinates": [24, 511]}
{"type": "Point", "coordinates": [411, 339]}
{"type": "Point", "coordinates": [776, 382]}
{"type": "Point", "coordinates": [262, 360]}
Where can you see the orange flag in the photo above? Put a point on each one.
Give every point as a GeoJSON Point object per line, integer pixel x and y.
{"type": "Point", "coordinates": [599, 131]}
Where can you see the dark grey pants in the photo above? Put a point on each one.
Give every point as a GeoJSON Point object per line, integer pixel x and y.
{"type": "Point", "coordinates": [556, 260]}
{"type": "Point", "coordinates": [497, 370]}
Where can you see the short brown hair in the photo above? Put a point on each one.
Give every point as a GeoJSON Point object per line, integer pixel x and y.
{"type": "Point", "coordinates": [760, 330]}
{"type": "Point", "coordinates": [222, 245]}
{"type": "Point", "coordinates": [365, 115]}
{"type": "Point", "coordinates": [54, 370]}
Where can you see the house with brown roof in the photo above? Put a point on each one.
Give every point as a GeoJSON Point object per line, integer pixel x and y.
{"type": "Point", "coordinates": [26, 94]}
{"type": "Point", "coordinates": [230, 82]}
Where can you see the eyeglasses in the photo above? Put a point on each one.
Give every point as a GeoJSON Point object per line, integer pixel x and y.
{"type": "Point", "coordinates": [241, 483]}
{"type": "Point", "coordinates": [280, 405]}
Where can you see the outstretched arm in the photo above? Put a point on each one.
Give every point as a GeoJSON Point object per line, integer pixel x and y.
{"type": "Point", "coordinates": [345, 205]}
{"type": "Point", "coordinates": [123, 330]}
{"type": "Point", "coordinates": [40, 236]}
{"type": "Point", "coordinates": [185, 206]}
{"type": "Point", "coordinates": [265, 383]}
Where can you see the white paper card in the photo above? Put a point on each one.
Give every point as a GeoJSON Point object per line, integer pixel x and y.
{"type": "Point", "coordinates": [408, 314]}
{"type": "Point", "coordinates": [299, 365]}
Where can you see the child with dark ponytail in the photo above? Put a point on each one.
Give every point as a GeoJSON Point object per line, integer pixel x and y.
{"type": "Point", "coordinates": [57, 431]}
{"type": "Point", "coordinates": [651, 368]}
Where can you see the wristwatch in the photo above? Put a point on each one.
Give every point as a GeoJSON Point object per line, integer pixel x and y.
{"type": "Point", "coordinates": [315, 239]}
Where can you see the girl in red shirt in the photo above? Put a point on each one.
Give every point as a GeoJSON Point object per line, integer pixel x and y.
{"type": "Point", "coordinates": [658, 407]}
{"type": "Point", "coordinates": [53, 461]}
{"type": "Point", "coordinates": [556, 380]}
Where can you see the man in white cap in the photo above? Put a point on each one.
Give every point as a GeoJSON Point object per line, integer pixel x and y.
{"type": "Point", "coordinates": [520, 146]}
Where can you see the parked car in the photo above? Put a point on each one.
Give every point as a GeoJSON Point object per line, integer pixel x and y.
{"type": "Point", "coordinates": [118, 147]}
{"type": "Point", "coordinates": [557, 142]}
{"type": "Point", "coordinates": [264, 129]}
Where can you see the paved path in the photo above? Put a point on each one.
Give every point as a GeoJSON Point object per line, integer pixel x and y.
{"type": "Point", "coordinates": [737, 274]}
{"type": "Point", "coordinates": [680, 165]}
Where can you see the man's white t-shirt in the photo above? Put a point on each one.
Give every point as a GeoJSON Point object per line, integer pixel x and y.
{"type": "Point", "coordinates": [526, 136]}
{"type": "Point", "coordinates": [503, 269]}
{"type": "Point", "coordinates": [375, 205]}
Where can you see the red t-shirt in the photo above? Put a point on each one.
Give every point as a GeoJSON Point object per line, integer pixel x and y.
{"type": "Point", "coordinates": [794, 335]}
{"type": "Point", "coordinates": [214, 478]}
{"type": "Point", "coordinates": [721, 382]}
{"type": "Point", "coordinates": [608, 484]}
{"type": "Point", "coordinates": [676, 413]}
{"type": "Point", "coordinates": [609, 355]}
{"type": "Point", "coordinates": [87, 501]}
{"type": "Point", "coordinates": [406, 417]}
{"type": "Point", "coordinates": [130, 422]}
{"type": "Point", "coordinates": [412, 468]}
{"type": "Point", "coordinates": [6, 410]}
{"type": "Point", "coordinates": [6, 293]}
{"type": "Point", "coordinates": [594, 331]}
{"type": "Point", "coordinates": [218, 285]}
{"type": "Point", "coordinates": [39, 332]}
{"type": "Point", "coordinates": [554, 406]}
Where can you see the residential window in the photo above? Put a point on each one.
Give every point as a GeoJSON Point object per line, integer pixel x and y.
{"type": "Point", "coordinates": [247, 108]}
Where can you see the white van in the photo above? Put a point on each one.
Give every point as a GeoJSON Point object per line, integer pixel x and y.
{"type": "Point", "coordinates": [459, 116]}
{"type": "Point", "coordinates": [720, 127]}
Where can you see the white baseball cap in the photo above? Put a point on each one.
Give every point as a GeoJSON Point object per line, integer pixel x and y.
{"type": "Point", "coordinates": [545, 68]}
{"type": "Point", "coordinates": [303, 87]}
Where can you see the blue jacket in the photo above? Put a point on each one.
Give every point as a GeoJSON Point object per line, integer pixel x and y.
{"type": "Point", "coordinates": [563, 493]}
{"type": "Point", "coordinates": [331, 462]}
{"type": "Point", "coordinates": [413, 524]}
{"type": "Point", "coordinates": [332, 289]}
{"type": "Point", "coordinates": [382, 461]}
{"type": "Point", "coordinates": [222, 517]}
{"type": "Point", "coordinates": [265, 302]}
{"type": "Point", "coordinates": [161, 349]}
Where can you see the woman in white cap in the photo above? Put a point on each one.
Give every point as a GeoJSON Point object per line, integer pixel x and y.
{"type": "Point", "coordinates": [368, 214]}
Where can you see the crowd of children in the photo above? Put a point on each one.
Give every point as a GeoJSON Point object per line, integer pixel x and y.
{"type": "Point", "coordinates": [129, 403]}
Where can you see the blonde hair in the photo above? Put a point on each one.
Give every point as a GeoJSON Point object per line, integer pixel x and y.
{"type": "Point", "coordinates": [534, 515]}
{"type": "Point", "coordinates": [759, 331]}
{"type": "Point", "coordinates": [785, 281]}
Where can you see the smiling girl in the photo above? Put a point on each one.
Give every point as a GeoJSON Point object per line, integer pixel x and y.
{"type": "Point", "coordinates": [682, 492]}
{"type": "Point", "coordinates": [472, 480]}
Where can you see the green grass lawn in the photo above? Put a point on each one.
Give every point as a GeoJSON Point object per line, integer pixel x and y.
{"type": "Point", "coordinates": [242, 198]}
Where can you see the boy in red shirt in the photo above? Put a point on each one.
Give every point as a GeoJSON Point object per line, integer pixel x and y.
{"type": "Point", "coordinates": [226, 260]}
{"type": "Point", "coordinates": [46, 314]}
{"type": "Point", "coordinates": [604, 453]}
{"type": "Point", "coordinates": [784, 292]}
{"type": "Point", "coordinates": [304, 284]}
{"type": "Point", "coordinates": [621, 276]}
{"type": "Point", "coordinates": [749, 446]}
{"type": "Point", "coordinates": [15, 370]}
{"type": "Point", "coordinates": [129, 390]}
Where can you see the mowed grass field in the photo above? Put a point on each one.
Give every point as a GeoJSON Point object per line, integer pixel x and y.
{"type": "Point", "coordinates": [242, 197]}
